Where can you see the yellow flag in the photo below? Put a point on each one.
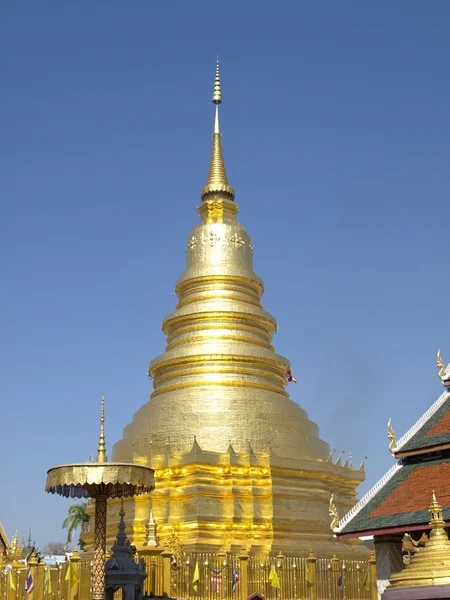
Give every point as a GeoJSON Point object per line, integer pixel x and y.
{"type": "Point", "coordinates": [273, 578]}
{"type": "Point", "coordinates": [366, 580]}
{"type": "Point", "coordinates": [308, 576]}
{"type": "Point", "coordinates": [72, 575]}
{"type": "Point", "coordinates": [48, 580]}
{"type": "Point", "coordinates": [12, 580]}
{"type": "Point", "coordinates": [196, 579]}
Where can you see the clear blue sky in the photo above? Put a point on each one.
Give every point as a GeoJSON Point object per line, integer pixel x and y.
{"type": "Point", "coordinates": [336, 128]}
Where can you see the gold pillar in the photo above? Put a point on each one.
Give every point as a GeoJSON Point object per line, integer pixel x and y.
{"type": "Point", "coordinates": [243, 574]}
{"type": "Point", "coordinates": [373, 576]}
{"type": "Point", "coordinates": [311, 561]}
{"type": "Point", "coordinates": [98, 580]}
{"type": "Point", "coordinates": [166, 554]}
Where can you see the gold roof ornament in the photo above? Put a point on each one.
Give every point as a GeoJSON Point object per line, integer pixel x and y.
{"type": "Point", "coordinates": [333, 514]}
{"type": "Point", "coordinates": [430, 566]}
{"type": "Point", "coordinates": [441, 365]}
{"type": "Point", "coordinates": [14, 551]}
{"type": "Point", "coordinates": [391, 437]}
{"type": "Point", "coordinates": [217, 185]}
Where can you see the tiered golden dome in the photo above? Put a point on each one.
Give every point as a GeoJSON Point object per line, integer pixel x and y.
{"type": "Point", "coordinates": [430, 566]}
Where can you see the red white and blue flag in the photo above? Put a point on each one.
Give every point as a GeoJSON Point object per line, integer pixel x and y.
{"type": "Point", "coordinates": [234, 579]}
{"type": "Point", "coordinates": [216, 580]}
{"type": "Point", "coordinates": [29, 583]}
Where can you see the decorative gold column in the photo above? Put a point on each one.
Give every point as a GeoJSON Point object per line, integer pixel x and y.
{"type": "Point", "coordinates": [98, 588]}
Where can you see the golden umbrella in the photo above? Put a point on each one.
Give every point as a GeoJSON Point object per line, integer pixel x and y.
{"type": "Point", "coordinates": [100, 480]}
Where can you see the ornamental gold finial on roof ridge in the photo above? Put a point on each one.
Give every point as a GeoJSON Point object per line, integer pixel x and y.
{"type": "Point", "coordinates": [391, 436]}
{"type": "Point", "coordinates": [217, 182]}
{"type": "Point", "coordinates": [441, 365]}
{"type": "Point", "coordinates": [333, 514]}
{"type": "Point", "coordinates": [101, 452]}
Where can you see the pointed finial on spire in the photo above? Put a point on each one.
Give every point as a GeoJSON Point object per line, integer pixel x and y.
{"type": "Point", "coordinates": [121, 533]}
{"type": "Point", "coordinates": [217, 183]}
{"type": "Point", "coordinates": [101, 452]}
{"type": "Point", "coordinates": [217, 93]}
{"type": "Point", "coordinates": [436, 521]}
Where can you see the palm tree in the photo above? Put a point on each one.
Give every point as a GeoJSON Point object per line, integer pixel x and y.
{"type": "Point", "coordinates": [76, 517]}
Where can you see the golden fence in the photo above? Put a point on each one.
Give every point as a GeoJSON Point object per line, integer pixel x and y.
{"type": "Point", "coordinates": [220, 577]}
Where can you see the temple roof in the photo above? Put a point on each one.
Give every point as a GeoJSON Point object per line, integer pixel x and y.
{"type": "Point", "coordinates": [396, 502]}
{"type": "Point", "coordinates": [432, 430]}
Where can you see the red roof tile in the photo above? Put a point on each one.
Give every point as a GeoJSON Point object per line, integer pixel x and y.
{"type": "Point", "coordinates": [414, 492]}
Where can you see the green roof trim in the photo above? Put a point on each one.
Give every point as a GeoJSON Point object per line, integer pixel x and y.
{"type": "Point", "coordinates": [420, 441]}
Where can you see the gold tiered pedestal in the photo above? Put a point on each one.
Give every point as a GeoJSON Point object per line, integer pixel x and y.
{"type": "Point", "coordinates": [100, 480]}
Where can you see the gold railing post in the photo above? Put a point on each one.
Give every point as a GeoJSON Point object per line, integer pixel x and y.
{"type": "Point", "coordinates": [311, 565]}
{"type": "Point", "coordinates": [32, 563]}
{"type": "Point", "coordinates": [243, 574]}
{"type": "Point", "coordinates": [282, 579]}
{"type": "Point", "coordinates": [74, 560]}
{"type": "Point", "coordinates": [221, 555]}
{"type": "Point", "coordinates": [335, 577]}
{"type": "Point", "coordinates": [166, 554]}
{"type": "Point", "coordinates": [373, 576]}
{"type": "Point", "coordinates": [41, 580]}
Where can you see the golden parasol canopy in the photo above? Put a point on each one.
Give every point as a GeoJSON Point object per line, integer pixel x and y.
{"type": "Point", "coordinates": [88, 480]}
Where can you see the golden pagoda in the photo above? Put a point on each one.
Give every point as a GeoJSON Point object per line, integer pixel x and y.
{"type": "Point", "coordinates": [237, 462]}
{"type": "Point", "coordinates": [430, 566]}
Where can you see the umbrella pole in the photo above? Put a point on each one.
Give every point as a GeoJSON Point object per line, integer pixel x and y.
{"type": "Point", "coordinates": [98, 580]}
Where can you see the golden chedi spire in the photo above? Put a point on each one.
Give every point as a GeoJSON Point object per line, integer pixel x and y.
{"type": "Point", "coordinates": [217, 186]}
{"type": "Point", "coordinates": [220, 378]}
{"type": "Point", "coordinates": [221, 382]}
{"type": "Point", "coordinates": [430, 566]}
{"type": "Point", "coordinates": [101, 451]}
